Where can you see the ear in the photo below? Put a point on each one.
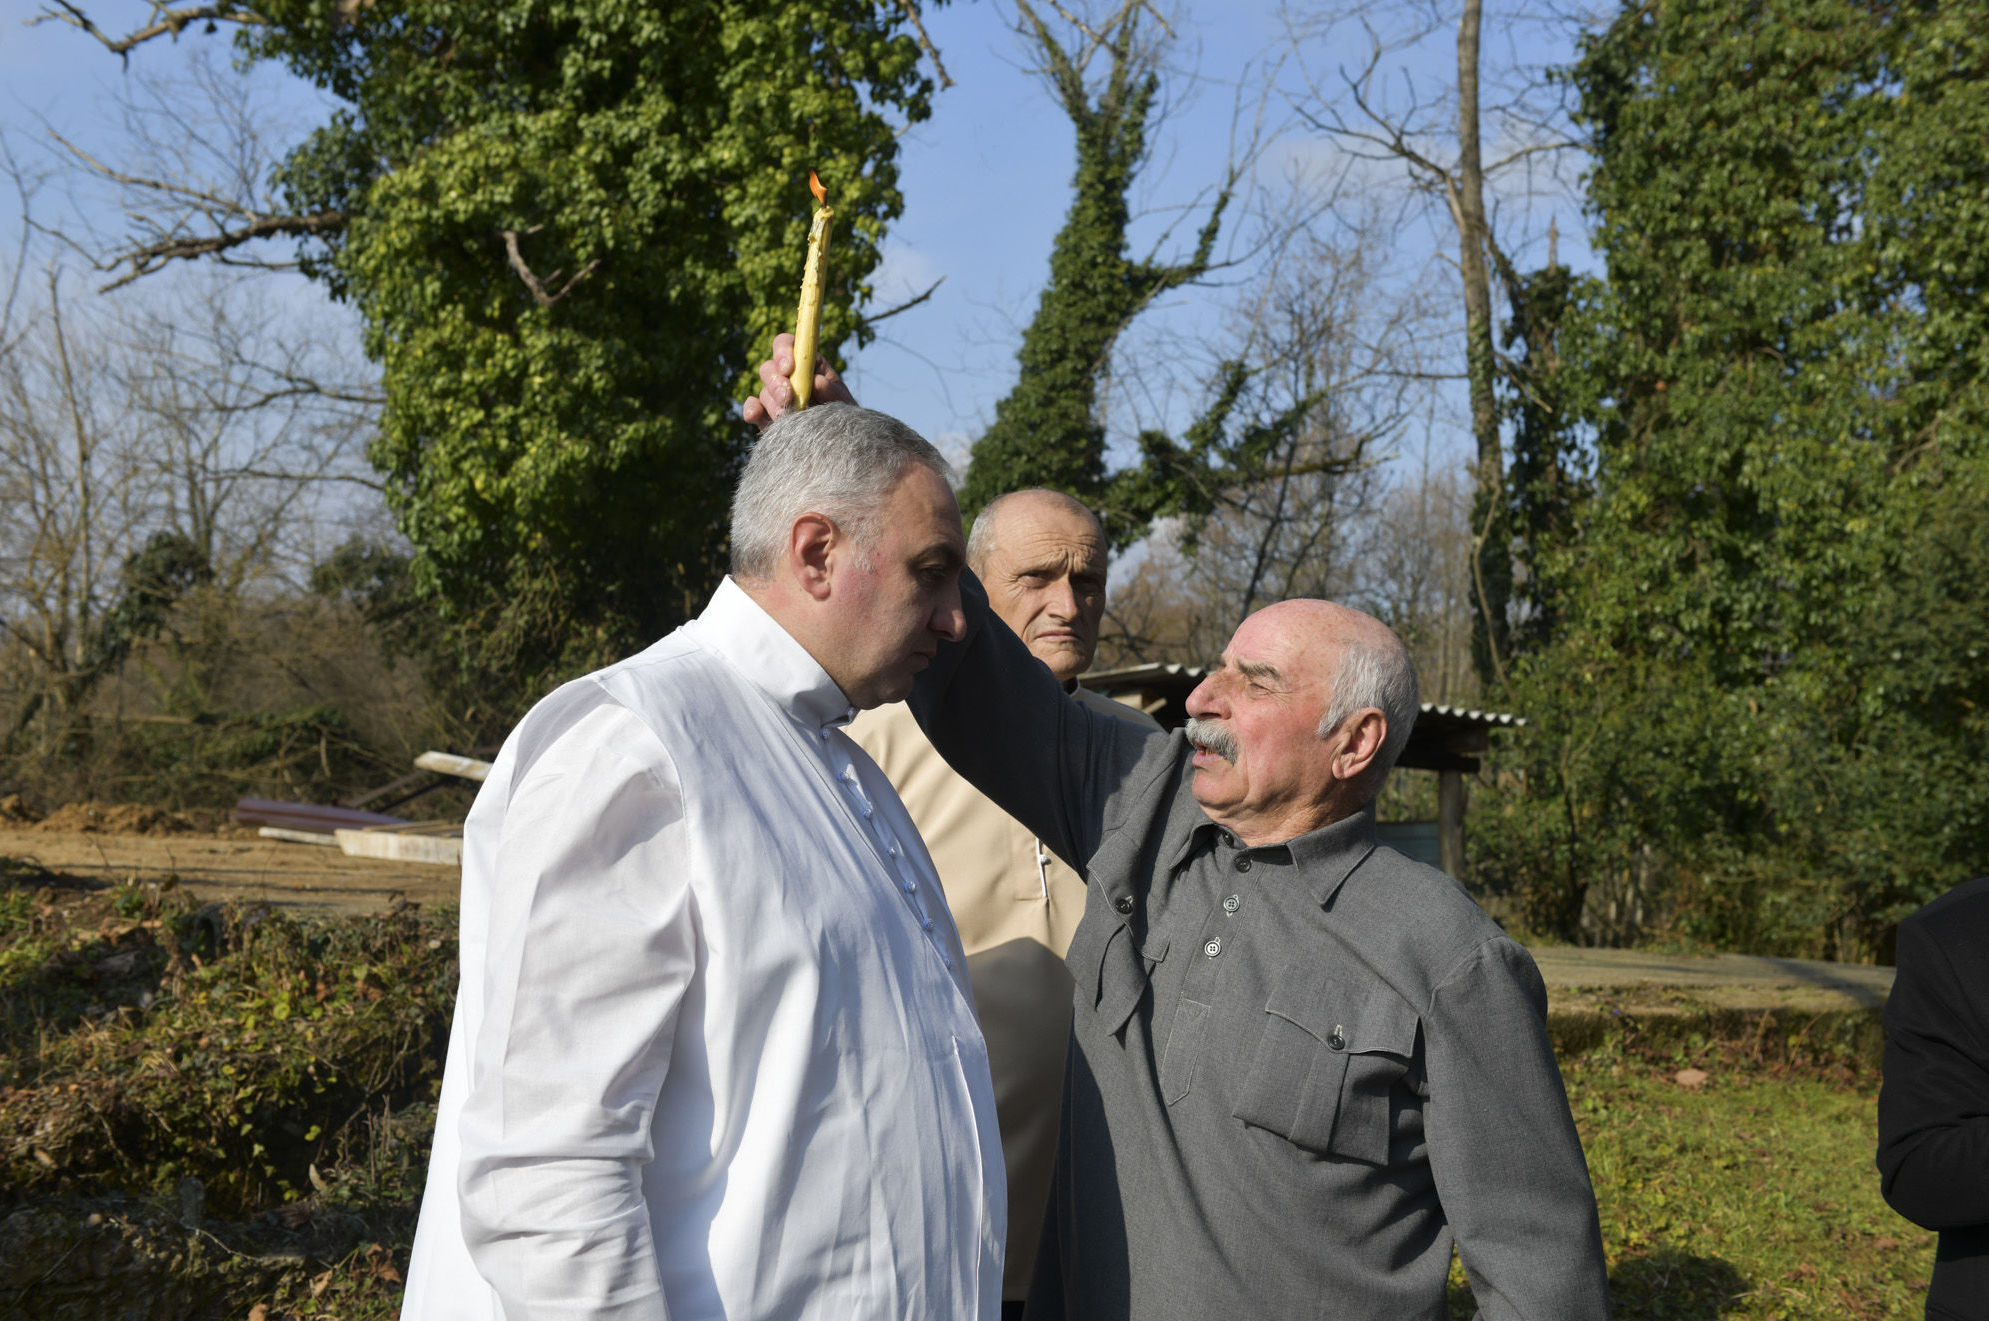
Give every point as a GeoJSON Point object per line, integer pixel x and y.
{"type": "Point", "coordinates": [811, 542]}
{"type": "Point", "coordinates": [1362, 735]}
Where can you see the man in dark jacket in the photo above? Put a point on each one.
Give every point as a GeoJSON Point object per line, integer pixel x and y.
{"type": "Point", "coordinates": [1933, 1153]}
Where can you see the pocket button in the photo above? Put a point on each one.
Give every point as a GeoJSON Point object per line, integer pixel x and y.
{"type": "Point", "coordinates": [1338, 1041]}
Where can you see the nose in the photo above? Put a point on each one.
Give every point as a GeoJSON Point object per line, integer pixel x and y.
{"type": "Point", "coordinates": [1063, 600]}
{"type": "Point", "coordinates": [1204, 702]}
{"type": "Point", "coordinates": [949, 617]}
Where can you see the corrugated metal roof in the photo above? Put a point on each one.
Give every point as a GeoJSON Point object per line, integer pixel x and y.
{"type": "Point", "coordinates": [1476, 717]}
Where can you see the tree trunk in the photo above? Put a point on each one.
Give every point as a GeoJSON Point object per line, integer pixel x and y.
{"type": "Point", "coordinates": [1491, 563]}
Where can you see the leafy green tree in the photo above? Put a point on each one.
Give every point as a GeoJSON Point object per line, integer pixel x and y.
{"type": "Point", "coordinates": [1046, 430]}
{"type": "Point", "coordinates": [1547, 477]}
{"type": "Point", "coordinates": [567, 225]}
{"type": "Point", "coordinates": [1770, 681]}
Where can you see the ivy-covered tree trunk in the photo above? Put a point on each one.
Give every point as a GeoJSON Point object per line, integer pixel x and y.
{"type": "Point", "coordinates": [1046, 430]}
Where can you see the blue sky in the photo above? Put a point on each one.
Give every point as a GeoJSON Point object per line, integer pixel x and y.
{"type": "Point", "coordinates": [986, 182]}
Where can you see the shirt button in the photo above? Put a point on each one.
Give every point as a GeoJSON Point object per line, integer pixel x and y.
{"type": "Point", "coordinates": [1338, 1041]}
{"type": "Point", "coordinates": [1243, 864]}
{"type": "Point", "coordinates": [1213, 948]}
{"type": "Point", "coordinates": [1231, 904]}
{"type": "Point", "coordinates": [1124, 903]}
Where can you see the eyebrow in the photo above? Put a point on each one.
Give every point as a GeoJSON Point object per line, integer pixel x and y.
{"type": "Point", "coordinates": [1260, 670]}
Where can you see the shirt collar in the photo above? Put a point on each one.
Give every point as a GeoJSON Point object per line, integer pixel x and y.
{"type": "Point", "coordinates": [1324, 857]}
{"type": "Point", "coordinates": [1327, 857]}
{"type": "Point", "coordinates": [737, 628]}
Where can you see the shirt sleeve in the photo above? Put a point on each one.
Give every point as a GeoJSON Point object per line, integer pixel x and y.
{"type": "Point", "coordinates": [1503, 1149]}
{"type": "Point", "coordinates": [592, 945]}
{"type": "Point", "coordinates": [1933, 1109]}
{"type": "Point", "coordinates": [998, 716]}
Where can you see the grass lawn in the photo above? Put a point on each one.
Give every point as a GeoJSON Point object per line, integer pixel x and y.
{"type": "Point", "coordinates": [1751, 1194]}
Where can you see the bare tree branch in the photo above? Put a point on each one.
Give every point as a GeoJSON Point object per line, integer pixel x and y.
{"type": "Point", "coordinates": [532, 281]}
{"type": "Point", "coordinates": [925, 42]}
{"type": "Point", "coordinates": [300, 478]}
{"type": "Point", "coordinates": [165, 21]}
{"type": "Point", "coordinates": [250, 224]}
{"type": "Point", "coordinates": [907, 305]}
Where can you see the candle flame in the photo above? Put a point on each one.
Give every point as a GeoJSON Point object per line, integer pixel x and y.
{"type": "Point", "coordinates": [815, 187]}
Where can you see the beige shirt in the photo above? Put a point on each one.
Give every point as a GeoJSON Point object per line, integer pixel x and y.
{"type": "Point", "coordinates": [1016, 905]}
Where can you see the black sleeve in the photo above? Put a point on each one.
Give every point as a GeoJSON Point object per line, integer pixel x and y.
{"type": "Point", "coordinates": [999, 718]}
{"type": "Point", "coordinates": [1933, 1111]}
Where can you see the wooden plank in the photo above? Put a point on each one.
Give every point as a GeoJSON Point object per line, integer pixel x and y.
{"type": "Point", "coordinates": [448, 763]}
{"type": "Point", "coordinates": [398, 847]}
{"type": "Point", "coordinates": [298, 836]}
{"type": "Point", "coordinates": [425, 779]}
{"type": "Point", "coordinates": [307, 816]}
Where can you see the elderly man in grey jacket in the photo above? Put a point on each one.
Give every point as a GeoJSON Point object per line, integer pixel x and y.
{"type": "Point", "coordinates": [1302, 1065]}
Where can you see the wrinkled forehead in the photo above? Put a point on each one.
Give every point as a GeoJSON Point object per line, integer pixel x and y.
{"type": "Point", "coordinates": [1298, 646]}
{"type": "Point", "coordinates": [1049, 533]}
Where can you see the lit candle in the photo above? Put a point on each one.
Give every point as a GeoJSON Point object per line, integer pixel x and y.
{"type": "Point", "coordinates": [808, 317]}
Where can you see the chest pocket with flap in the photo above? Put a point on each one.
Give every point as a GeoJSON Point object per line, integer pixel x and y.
{"type": "Point", "coordinates": [1324, 1069]}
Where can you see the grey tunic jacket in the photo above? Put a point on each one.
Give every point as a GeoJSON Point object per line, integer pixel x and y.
{"type": "Point", "coordinates": [1297, 1073]}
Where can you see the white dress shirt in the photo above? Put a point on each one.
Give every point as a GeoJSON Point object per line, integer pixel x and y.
{"type": "Point", "coordinates": [714, 1053]}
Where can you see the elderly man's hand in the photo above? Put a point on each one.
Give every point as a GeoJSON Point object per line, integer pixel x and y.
{"type": "Point", "coordinates": [775, 392]}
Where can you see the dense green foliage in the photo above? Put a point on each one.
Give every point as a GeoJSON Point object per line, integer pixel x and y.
{"type": "Point", "coordinates": [569, 227]}
{"type": "Point", "coordinates": [1762, 703]}
{"type": "Point", "coordinates": [1046, 430]}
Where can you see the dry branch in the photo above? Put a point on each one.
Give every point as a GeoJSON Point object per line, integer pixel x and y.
{"type": "Point", "coordinates": [908, 304]}
{"type": "Point", "coordinates": [532, 282]}
{"type": "Point", "coordinates": [165, 21]}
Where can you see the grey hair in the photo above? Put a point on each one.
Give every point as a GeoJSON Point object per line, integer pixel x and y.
{"type": "Point", "coordinates": [1381, 676]}
{"type": "Point", "coordinates": [836, 460]}
{"type": "Point", "coordinates": [981, 539]}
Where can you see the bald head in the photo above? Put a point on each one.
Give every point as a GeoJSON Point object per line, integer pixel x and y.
{"type": "Point", "coordinates": [1031, 507]}
{"type": "Point", "coordinates": [1299, 724]}
{"type": "Point", "coordinates": [1042, 557]}
{"type": "Point", "coordinates": [1374, 669]}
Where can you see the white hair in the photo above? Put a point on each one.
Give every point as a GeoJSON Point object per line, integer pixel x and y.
{"type": "Point", "coordinates": [1383, 677]}
{"type": "Point", "coordinates": [836, 460]}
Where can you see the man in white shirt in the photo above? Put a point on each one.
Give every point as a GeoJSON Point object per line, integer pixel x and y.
{"type": "Point", "coordinates": [714, 1052]}
{"type": "Point", "coordinates": [1042, 557]}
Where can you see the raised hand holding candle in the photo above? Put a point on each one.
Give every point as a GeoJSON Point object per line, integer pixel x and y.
{"type": "Point", "coordinates": [808, 317]}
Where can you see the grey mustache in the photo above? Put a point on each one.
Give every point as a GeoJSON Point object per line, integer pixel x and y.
{"type": "Point", "coordinates": [1213, 737]}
